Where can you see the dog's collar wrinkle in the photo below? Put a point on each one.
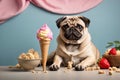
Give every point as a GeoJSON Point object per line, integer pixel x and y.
{"type": "Point", "coordinates": [72, 44]}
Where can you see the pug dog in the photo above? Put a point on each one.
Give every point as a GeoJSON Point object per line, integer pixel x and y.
{"type": "Point", "coordinates": [74, 44]}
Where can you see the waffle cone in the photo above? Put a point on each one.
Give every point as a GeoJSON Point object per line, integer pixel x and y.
{"type": "Point", "coordinates": [44, 45]}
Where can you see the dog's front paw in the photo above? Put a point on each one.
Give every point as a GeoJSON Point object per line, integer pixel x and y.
{"type": "Point", "coordinates": [54, 67]}
{"type": "Point", "coordinates": [79, 67]}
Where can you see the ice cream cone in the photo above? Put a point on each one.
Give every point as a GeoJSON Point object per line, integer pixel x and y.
{"type": "Point", "coordinates": [44, 35]}
{"type": "Point", "coordinates": [44, 44]}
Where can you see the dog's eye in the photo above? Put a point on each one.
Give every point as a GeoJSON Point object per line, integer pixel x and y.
{"type": "Point", "coordinates": [64, 27]}
{"type": "Point", "coordinates": [79, 26]}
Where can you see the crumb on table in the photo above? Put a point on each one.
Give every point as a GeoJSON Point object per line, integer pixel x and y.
{"type": "Point", "coordinates": [101, 72]}
{"type": "Point", "coordinates": [110, 73]}
{"type": "Point", "coordinates": [69, 64]}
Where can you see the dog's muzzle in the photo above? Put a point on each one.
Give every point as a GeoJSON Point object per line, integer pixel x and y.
{"type": "Point", "coordinates": [72, 34]}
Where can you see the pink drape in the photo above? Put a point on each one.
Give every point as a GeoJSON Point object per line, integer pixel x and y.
{"type": "Point", "coordinates": [66, 6]}
{"type": "Point", "coordinates": [10, 8]}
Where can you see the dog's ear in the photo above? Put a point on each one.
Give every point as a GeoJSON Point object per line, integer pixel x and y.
{"type": "Point", "coordinates": [86, 20]}
{"type": "Point", "coordinates": [59, 21]}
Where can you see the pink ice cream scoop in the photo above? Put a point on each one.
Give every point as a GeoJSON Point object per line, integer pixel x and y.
{"type": "Point", "coordinates": [44, 33]}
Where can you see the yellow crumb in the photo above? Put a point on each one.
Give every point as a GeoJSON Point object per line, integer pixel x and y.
{"type": "Point", "coordinates": [33, 71]}
{"type": "Point", "coordinates": [110, 69]}
{"type": "Point", "coordinates": [114, 68]}
{"type": "Point", "coordinates": [88, 69]}
{"type": "Point", "coordinates": [110, 73]}
{"type": "Point", "coordinates": [101, 72]}
{"type": "Point", "coordinates": [97, 68]}
{"type": "Point", "coordinates": [118, 70]}
{"type": "Point", "coordinates": [70, 64]}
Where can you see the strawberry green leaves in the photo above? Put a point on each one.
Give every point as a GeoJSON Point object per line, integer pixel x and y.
{"type": "Point", "coordinates": [114, 44]}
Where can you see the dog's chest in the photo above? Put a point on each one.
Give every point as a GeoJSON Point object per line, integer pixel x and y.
{"type": "Point", "coordinates": [72, 47]}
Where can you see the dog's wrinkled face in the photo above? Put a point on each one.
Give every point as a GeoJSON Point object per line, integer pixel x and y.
{"type": "Point", "coordinates": [72, 27]}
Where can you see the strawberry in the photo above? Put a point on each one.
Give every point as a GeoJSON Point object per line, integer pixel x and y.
{"type": "Point", "coordinates": [112, 51]}
{"type": "Point", "coordinates": [103, 63]}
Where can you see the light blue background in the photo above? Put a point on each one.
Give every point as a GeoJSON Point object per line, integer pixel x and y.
{"type": "Point", "coordinates": [18, 34]}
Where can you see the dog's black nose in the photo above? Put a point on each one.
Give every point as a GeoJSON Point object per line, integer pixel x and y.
{"type": "Point", "coordinates": [72, 34]}
{"type": "Point", "coordinates": [71, 28]}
